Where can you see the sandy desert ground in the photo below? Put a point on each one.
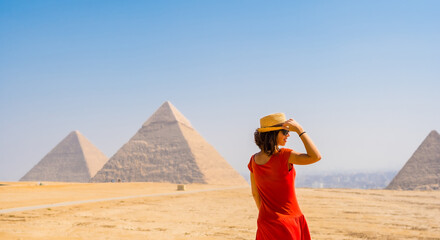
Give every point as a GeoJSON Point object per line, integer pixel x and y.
{"type": "Point", "coordinates": [202, 214]}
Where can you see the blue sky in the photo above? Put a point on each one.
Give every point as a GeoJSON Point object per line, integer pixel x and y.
{"type": "Point", "coordinates": [362, 77]}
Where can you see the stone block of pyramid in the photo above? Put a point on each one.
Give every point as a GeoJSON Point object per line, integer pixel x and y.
{"type": "Point", "coordinates": [168, 149]}
{"type": "Point", "coordinates": [422, 170]}
{"type": "Point", "coordinates": [74, 159]}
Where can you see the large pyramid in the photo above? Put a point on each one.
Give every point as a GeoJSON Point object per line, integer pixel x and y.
{"type": "Point", "coordinates": [422, 171]}
{"type": "Point", "coordinates": [168, 149]}
{"type": "Point", "coordinates": [74, 159]}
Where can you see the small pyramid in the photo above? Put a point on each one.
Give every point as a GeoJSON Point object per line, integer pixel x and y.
{"type": "Point", "coordinates": [168, 149]}
{"type": "Point", "coordinates": [74, 159]}
{"type": "Point", "coordinates": [422, 170]}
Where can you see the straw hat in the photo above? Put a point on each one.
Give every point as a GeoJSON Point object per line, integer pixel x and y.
{"type": "Point", "coordinates": [272, 122]}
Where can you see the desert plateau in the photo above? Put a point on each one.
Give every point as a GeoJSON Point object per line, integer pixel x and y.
{"type": "Point", "coordinates": [159, 211]}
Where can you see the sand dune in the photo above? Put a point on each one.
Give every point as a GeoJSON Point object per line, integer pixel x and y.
{"type": "Point", "coordinates": [221, 214]}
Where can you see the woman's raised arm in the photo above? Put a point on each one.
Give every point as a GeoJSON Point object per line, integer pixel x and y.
{"type": "Point", "coordinates": [312, 154]}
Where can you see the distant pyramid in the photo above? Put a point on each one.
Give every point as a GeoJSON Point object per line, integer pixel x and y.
{"type": "Point", "coordinates": [74, 159]}
{"type": "Point", "coordinates": [422, 171]}
{"type": "Point", "coordinates": [168, 149]}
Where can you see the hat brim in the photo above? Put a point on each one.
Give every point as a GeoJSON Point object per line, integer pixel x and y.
{"type": "Point", "coordinates": [270, 129]}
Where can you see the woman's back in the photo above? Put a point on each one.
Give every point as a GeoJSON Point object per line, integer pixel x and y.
{"type": "Point", "coordinates": [276, 185]}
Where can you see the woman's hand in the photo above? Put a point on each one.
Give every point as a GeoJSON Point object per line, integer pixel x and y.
{"type": "Point", "coordinates": [292, 125]}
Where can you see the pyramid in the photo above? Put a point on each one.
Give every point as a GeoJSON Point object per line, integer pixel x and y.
{"type": "Point", "coordinates": [168, 149]}
{"type": "Point", "coordinates": [422, 171]}
{"type": "Point", "coordinates": [74, 159]}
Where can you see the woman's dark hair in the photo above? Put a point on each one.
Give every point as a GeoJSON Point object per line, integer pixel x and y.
{"type": "Point", "coordinates": [266, 141]}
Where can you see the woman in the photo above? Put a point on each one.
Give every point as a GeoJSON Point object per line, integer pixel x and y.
{"type": "Point", "coordinates": [272, 178]}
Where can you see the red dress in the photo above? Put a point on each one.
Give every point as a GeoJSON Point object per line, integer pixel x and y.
{"type": "Point", "coordinates": [279, 216]}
